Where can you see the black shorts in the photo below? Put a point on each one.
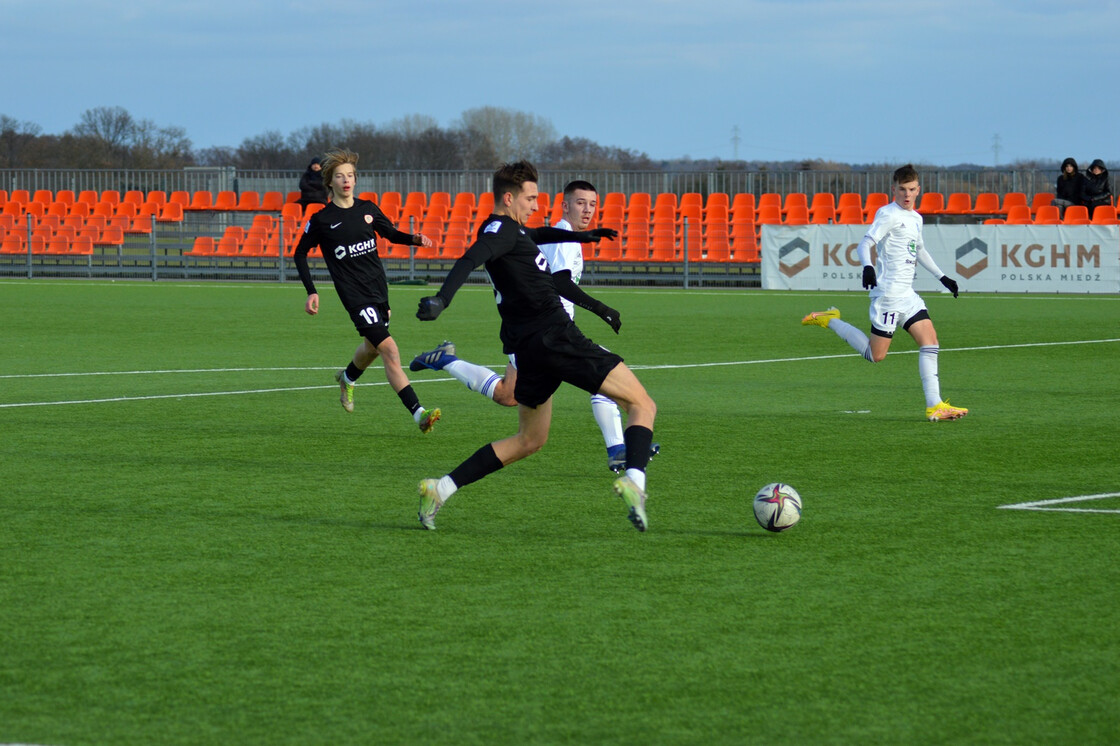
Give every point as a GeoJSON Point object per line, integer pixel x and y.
{"type": "Point", "coordinates": [560, 355]}
{"type": "Point", "coordinates": [372, 322]}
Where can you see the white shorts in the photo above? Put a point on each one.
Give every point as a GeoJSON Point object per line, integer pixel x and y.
{"type": "Point", "coordinates": [888, 313]}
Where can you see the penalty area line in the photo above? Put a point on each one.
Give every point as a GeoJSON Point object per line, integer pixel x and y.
{"type": "Point", "coordinates": [1049, 505]}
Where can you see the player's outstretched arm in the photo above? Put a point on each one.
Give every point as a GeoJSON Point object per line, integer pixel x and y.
{"type": "Point", "coordinates": [432, 306]}
{"type": "Point", "coordinates": [546, 234]}
{"type": "Point", "coordinates": [570, 290]}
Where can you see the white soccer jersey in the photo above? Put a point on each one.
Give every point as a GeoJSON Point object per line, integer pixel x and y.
{"type": "Point", "coordinates": [563, 256]}
{"type": "Point", "coordinates": [897, 234]}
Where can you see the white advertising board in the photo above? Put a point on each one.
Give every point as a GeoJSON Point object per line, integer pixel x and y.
{"type": "Point", "coordinates": [988, 258]}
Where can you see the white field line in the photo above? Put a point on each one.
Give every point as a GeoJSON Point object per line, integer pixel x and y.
{"type": "Point", "coordinates": [241, 392]}
{"type": "Point", "coordinates": [1048, 504]}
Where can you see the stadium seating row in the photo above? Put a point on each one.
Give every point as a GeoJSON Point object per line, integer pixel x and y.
{"type": "Point", "coordinates": [651, 227]}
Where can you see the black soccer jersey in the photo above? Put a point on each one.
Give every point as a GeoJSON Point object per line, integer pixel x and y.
{"type": "Point", "coordinates": [348, 239]}
{"type": "Point", "coordinates": [526, 294]}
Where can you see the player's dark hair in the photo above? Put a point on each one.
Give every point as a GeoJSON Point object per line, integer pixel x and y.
{"type": "Point", "coordinates": [579, 184]}
{"type": "Point", "coordinates": [511, 176]}
{"type": "Point", "coordinates": [905, 174]}
{"type": "Point", "coordinates": [332, 160]}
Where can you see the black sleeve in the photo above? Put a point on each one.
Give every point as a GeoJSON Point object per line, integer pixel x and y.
{"type": "Point", "coordinates": [568, 289]}
{"type": "Point", "coordinates": [385, 227]}
{"type": "Point", "coordinates": [299, 256]}
{"type": "Point", "coordinates": [481, 251]}
{"type": "Point", "coordinates": [548, 234]}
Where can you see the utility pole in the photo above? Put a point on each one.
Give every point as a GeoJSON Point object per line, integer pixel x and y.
{"type": "Point", "coordinates": [735, 139]}
{"type": "Point", "coordinates": [995, 148]}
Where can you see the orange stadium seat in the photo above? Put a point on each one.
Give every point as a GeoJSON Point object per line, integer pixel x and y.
{"type": "Point", "coordinates": [987, 203]}
{"type": "Point", "coordinates": [44, 196]}
{"type": "Point", "coordinates": [21, 195]}
{"type": "Point", "coordinates": [871, 205]}
{"type": "Point", "coordinates": [743, 204]}
{"type": "Point", "coordinates": [1011, 199]}
{"type": "Point", "coordinates": [1048, 215]}
{"type": "Point", "coordinates": [65, 196]}
{"type": "Point", "coordinates": [822, 202]}
{"type": "Point", "coordinates": [769, 199]}
{"type": "Point", "coordinates": [133, 196]}
{"type": "Point", "coordinates": [272, 201]}
{"type": "Point", "coordinates": [850, 216]}
{"type": "Point", "coordinates": [172, 212]}
{"type": "Point", "coordinates": [225, 200]}
{"type": "Point", "coordinates": [110, 195]}
{"type": "Point", "coordinates": [797, 215]}
{"type": "Point", "coordinates": [203, 246]}
{"type": "Point", "coordinates": [717, 200]}
{"type": "Point", "coordinates": [201, 200]}
{"type": "Point", "coordinates": [796, 200]}
{"type": "Point", "coordinates": [931, 203]}
{"type": "Point", "coordinates": [822, 215]}
{"type": "Point", "coordinates": [1076, 215]}
{"type": "Point", "coordinates": [959, 203]}
{"type": "Point", "coordinates": [1019, 215]}
{"type": "Point", "coordinates": [1041, 199]}
{"type": "Point", "coordinates": [849, 199]}
{"type": "Point", "coordinates": [1104, 215]}
{"type": "Point", "coordinates": [249, 200]}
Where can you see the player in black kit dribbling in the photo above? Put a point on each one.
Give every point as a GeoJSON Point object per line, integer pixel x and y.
{"type": "Point", "coordinates": [346, 232]}
{"type": "Point", "coordinates": [547, 346]}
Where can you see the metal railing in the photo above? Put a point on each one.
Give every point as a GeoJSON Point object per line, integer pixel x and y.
{"type": "Point", "coordinates": [946, 181]}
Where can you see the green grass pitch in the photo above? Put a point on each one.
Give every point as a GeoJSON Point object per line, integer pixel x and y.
{"type": "Point", "coordinates": [199, 546]}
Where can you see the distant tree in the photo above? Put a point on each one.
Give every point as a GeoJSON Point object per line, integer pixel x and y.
{"type": "Point", "coordinates": [511, 134]}
{"type": "Point", "coordinates": [576, 154]}
{"type": "Point", "coordinates": [215, 156]}
{"type": "Point", "coordinates": [152, 146]}
{"type": "Point", "coordinates": [268, 150]}
{"type": "Point", "coordinates": [15, 140]}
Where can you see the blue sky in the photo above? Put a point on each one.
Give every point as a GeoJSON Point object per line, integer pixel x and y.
{"type": "Point", "coordinates": [862, 81]}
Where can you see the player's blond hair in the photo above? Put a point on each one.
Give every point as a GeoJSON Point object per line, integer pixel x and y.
{"type": "Point", "coordinates": [335, 158]}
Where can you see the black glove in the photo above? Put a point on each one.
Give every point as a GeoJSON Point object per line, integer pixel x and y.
{"type": "Point", "coordinates": [609, 315]}
{"type": "Point", "coordinates": [869, 280]}
{"type": "Point", "coordinates": [430, 308]}
{"type": "Point", "coordinates": [597, 234]}
{"type": "Point", "coordinates": [951, 284]}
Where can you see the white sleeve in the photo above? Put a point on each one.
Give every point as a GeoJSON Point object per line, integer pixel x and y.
{"type": "Point", "coordinates": [926, 261]}
{"type": "Point", "coordinates": [559, 255]}
{"type": "Point", "coordinates": [864, 250]}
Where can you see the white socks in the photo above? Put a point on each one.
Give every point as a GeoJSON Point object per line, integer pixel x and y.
{"type": "Point", "coordinates": [445, 487]}
{"type": "Point", "coordinates": [853, 336]}
{"type": "Point", "coordinates": [609, 419]}
{"type": "Point", "coordinates": [927, 369]}
{"type": "Point", "coordinates": [474, 377]}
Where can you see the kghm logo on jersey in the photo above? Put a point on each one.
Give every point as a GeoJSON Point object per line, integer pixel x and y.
{"type": "Point", "coordinates": [341, 252]}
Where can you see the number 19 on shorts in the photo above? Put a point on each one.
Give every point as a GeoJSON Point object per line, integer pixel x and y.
{"type": "Point", "coordinates": [369, 314]}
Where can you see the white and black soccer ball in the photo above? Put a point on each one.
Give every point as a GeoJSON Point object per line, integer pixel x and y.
{"type": "Point", "coordinates": [777, 507]}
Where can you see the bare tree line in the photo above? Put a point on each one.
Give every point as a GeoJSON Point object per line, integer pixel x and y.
{"type": "Point", "coordinates": [110, 137]}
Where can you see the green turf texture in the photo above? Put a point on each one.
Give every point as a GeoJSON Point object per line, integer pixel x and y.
{"type": "Point", "coordinates": [192, 568]}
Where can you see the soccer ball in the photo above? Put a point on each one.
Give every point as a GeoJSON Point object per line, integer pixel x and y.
{"type": "Point", "coordinates": [777, 507]}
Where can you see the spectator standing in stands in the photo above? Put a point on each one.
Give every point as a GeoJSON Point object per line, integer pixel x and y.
{"type": "Point", "coordinates": [549, 348]}
{"type": "Point", "coordinates": [897, 233]}
{"type": "Point", "coordinates": [1095, 188]}
{"type": "Point", "coordinates": [312, 190]}
{"type": "Point", "coordinates": [346, 232]}
{"type": "Point", "coordinates": [1067, 190]}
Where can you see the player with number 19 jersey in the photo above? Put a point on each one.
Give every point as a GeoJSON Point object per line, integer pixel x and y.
{"type": "Point", "coordinates": [348, 239]}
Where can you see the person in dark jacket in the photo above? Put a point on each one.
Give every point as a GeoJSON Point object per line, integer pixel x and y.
{"type": "Point", "coordinates": [1067, 191]}
{"type": "Point", "coordinates": [1095, 187]}
{"type": "Point", "coordinates": [312, 190]}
